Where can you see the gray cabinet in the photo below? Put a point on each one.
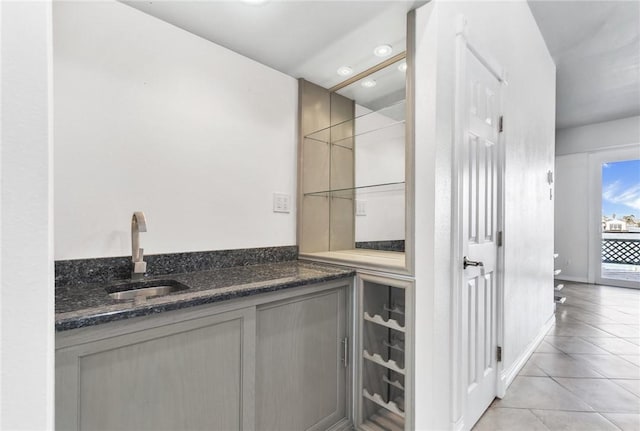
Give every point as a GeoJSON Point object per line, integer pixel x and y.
{"type": "Point", "coordinates": [301, 362]}
{"type": "Point", "coordinates": [269, 362]}
{"type": "Point", "coordinates": [167, 378]}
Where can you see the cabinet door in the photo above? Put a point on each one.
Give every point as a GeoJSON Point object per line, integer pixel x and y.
{"type": "Point", "coordinates": [300, 372]}
{"type": "Point", "coordinates": [183, 376]}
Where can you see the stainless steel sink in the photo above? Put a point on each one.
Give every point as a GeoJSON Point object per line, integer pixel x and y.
{"type": "Point", "coordinates": [142, 290]}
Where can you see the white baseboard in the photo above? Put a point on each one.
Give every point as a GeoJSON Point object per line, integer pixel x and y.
{"type": "Point", "coordinates": [507, 376]}
{"type": "Point", "coordinates": [343, 425]}
{"type": "Point", "coordinates": [571, 278]}
{"type": "Point", "coordinates": [620, 283]}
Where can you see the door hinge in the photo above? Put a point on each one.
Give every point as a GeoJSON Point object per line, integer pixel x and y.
{"type": "Point", "coordinates": [345, 351]}
{"type": "Point", "coordinates": [499, 238]}
{"type": "Point", "coordinates": [499, 353]}
{"type": "Point", "coordinates": [501, 124]}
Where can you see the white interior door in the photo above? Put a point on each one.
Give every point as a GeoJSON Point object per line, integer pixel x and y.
{"type": "Point", "coordinates": [479, 162]}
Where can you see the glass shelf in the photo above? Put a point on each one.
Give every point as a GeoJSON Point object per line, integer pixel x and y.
{"type": "Point", "coordinates": [324, 135]}
{"type": "Point", "coordinates": [350, 193]}
{"type": "Point", "coordinates": [393, 115]}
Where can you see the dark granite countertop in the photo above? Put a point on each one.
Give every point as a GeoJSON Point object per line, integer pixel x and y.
{"type": "Point", "coordinates": [89, 304]}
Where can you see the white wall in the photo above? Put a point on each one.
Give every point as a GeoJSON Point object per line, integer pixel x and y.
{"type": "Point", "coordinates": [598, 136]}
{"type": "Point", "coordinates": [149, 117]}
{"type": "Point", "coordinates": [26, 268]}
{"type": "Point", "coordinates": [578, 193]}
{"type": "Point", "coordinates": [379, 159]}
{"type": "Point", "coordinates": [571, 216]}
{"type": "Point", "coordinates": [505, 31]}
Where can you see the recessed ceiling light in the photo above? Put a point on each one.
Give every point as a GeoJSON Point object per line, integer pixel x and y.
{"type": "Point", "coordinates": [382, 51]}
{"type": "Point", "coordinates": [344, 71]}
{"type": "Point", "coordinates": [369, 83]}
{"type": "Point", "coordinates": [402, 67]}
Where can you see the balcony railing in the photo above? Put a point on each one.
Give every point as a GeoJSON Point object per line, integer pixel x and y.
{"type": "Point", "coordinates": [623, 251]}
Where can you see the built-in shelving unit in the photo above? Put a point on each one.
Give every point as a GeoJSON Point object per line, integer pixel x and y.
{"type": "Point", "coordinates": [384, 372]}
{"type": "Point", "coordinates": [352, 182]}
{"type": "Point", "coordinates": [355, 184]}
{"type": "Point", "coordinates": [558, 299]}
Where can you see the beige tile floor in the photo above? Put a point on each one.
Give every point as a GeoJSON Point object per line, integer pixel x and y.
{"type": "Point", "coordinates": [585, 375]}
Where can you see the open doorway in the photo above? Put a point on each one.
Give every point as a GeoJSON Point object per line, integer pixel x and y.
{"type": "Point", "coordinates": [620, 233]}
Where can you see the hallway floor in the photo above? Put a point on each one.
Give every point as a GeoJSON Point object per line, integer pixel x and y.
{"type": "Point", "coordinates": [585, 375]}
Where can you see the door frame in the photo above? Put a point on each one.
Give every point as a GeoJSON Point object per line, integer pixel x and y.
{"type": "Point", "coordinates": [595, 161]}
{"type": "Point", "coordinates": [462, 44]}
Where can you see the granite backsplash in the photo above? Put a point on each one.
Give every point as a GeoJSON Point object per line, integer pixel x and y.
{"type": "Point", "coordinates": [108, 269]}
{"type": "Point", "coordinates": [390, 245]}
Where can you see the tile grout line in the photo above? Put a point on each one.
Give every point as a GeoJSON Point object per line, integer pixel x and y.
{"type": "Point", "coordinates": [539, 419]}
{"type": "Point", "coordinates": [572, 411]}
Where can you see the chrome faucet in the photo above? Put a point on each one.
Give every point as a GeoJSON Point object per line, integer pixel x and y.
{"type": "Point", "coordinates": [138, 224]}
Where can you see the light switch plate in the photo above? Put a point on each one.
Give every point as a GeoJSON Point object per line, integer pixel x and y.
{"type": "Point", "coordinates": [281, 203]}
{"type": "Point", "coordinates": [361, 207]}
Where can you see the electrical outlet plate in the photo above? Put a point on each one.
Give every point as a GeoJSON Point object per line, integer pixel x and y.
{"type": "Point", "coordinates": [281, 203]}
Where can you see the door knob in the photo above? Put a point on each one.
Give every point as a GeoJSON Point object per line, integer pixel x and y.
{"type": "Point", "coordinates": [466, 262]}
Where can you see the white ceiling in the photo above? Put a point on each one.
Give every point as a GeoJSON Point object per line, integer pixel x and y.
{"type": "Point", "coordinates": [595, 44]}
{"type": "Point", "coordinates": [596, 47]}
{"type": "Point", "coordinates": [302, 38]}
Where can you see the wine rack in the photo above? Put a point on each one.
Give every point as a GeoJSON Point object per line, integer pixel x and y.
{"type": "Point", "coordinates": [384, 341]}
